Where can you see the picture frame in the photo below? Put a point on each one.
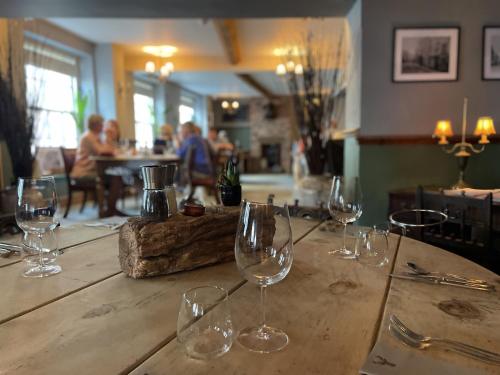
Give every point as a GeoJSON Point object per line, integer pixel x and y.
{"type": "Point", "coordinates": [425, 54]}
{"type": "Point", "coordinates": [491, 53]}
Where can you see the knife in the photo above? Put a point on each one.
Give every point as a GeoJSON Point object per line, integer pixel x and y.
{"type": "Point", "coordinates": [441, 282]}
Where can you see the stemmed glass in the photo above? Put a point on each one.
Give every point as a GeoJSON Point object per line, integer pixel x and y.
{"type": "Point", "coordinates": [36, 214]}
{"type": "Point", "coordinates": [345, 207]}
{"type": "Point", "coordinates": [264, 255]}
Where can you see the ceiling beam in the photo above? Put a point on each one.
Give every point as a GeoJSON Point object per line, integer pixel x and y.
{"type": "Point", "coordinates": [252, 82]}
{"type": "Point", "coordinates": [228, 35]}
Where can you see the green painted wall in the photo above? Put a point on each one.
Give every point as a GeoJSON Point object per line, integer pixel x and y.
{"type": "Point", "coordinates": [239, 134]}
{"type": "Point", "coordinates": [389, 167]}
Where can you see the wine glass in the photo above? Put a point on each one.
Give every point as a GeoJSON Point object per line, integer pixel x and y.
{"type": "Point", "coordinates": [345, 207]}
{"type": "Point", "coordinates": [264, 255]}
{"type": "Point", "coordinates": [36, 214]}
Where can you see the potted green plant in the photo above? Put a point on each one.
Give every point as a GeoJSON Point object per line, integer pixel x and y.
{"type": "Point", "coordinates": [229, 184]}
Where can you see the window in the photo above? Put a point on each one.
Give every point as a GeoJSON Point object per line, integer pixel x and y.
{"type": "Point", "coordinates": [51, 86]}
{"type": "Point", "coordinates": [186, 108]}
{"type": "Point", "coordinates": [144, 113]}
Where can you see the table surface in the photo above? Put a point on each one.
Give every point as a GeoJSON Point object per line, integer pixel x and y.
{"type": "Point", "coordinates": [92, 319]}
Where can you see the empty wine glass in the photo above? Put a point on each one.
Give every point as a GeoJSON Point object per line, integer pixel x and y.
{"type": "Point", "coordinates": [345, 207]}
{"type": "Point", "coordinates": [36, 214]}
{"type": "Point", "coordinates": [264, 255]}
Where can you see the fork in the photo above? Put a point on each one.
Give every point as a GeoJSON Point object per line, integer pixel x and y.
{"type": "Point", "coordinates": [420, 271]}
{"type": "Point", "coordinates": [399, 330]}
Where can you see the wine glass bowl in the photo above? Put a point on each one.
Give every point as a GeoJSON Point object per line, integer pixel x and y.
{"type": "Point", "coordinates": [345, 207]}
{"type": "Point", "coordinates": [36, 214]}
{"type": "Point", "coordinates": [264, 256]}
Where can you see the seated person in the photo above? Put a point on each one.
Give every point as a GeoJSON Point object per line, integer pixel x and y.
{"type": "Point", "coordinates": [165, 142]}
{"type": "Point", "coordinates": [202, 164]}
{"type": "Point", "coordinates": [218, 142]}
{"type": "Point", "coordinates": [85, 167]}
{"type": "Point", "coordinates": [90, 145]}
{"type": "Point", "coordinates": [112, 132]}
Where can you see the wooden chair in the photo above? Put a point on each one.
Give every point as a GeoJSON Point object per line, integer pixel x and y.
{"type": "Point", "coordinates": [85, 184]}
{"type": "Point", "coordinates": [194, 179]}
{"type": "Point", "coordinates": [468, 228]}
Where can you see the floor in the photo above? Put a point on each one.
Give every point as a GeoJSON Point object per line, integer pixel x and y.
{"type": "Point", "coordinates": [255, 187]}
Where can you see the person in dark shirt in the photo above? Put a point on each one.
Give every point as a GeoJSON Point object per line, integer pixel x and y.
{"type": "Point", "coordinates": [201, 160]}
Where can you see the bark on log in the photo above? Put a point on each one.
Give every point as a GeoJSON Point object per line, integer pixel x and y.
{"type": "Point", "coordinates": [180, 243]}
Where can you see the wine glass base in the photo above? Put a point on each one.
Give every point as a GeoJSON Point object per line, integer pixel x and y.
{"type": "Point", "coordinates": [343, 253]}
{"type": "Point", "coordinates": [263, 339]}
{"type": "Point", "coordinates": [43, 271]}
{"type": "Point", "coordinates": [374, 262]}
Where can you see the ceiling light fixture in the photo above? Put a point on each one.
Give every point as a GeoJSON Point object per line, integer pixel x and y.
{"type": "Point", "coordinates": [235, 105]}
{"type": "Point", "coordinates": [225, 104]}
{"type": "Point", "coordinates": [150, 67]}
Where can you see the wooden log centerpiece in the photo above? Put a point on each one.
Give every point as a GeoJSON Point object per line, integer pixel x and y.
{"type": "Point", "coordinates": [180, 243]}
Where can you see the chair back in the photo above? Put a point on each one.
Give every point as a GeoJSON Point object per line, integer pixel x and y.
{"type": "Point", "coordinates": [469, 220]}
{"type": "Point", "coordinates": [69, 157]}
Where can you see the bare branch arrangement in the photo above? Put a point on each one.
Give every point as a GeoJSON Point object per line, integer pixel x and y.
{"type": "Point", "coordinates": [313, 85]}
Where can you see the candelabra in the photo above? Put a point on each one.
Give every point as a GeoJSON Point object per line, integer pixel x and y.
{"type": "Point", "coordinates": [463, 150]}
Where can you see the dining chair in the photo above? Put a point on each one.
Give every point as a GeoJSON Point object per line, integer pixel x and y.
{"type": "Point", "coordinates": [468, 227]}
{"type": "Point", "coordinates": [86, 185]}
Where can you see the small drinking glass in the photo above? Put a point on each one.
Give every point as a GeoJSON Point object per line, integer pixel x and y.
{"type": "Point", "coordinates": [264, 256]}
{"type": "Point", "coordinates": [36, 215]}
{"type": "Point", "coordinates": [372, 247]}
{"type": "Point", "coordinates": [345, 207]}
{"type": "Point", "coordinates": [204, 325]}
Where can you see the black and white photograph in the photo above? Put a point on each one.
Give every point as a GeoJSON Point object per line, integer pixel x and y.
{"type": "Point", "coordinates": [491, 53]}
{"type": "Point", "coordinates": [426, 54]}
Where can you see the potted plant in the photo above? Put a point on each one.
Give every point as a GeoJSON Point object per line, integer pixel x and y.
{"type": "Point", "coordinates": [229, 184]}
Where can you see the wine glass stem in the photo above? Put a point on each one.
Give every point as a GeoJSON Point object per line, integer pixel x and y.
{"type": "Point", "coordinates": [40, 248]}
{"type": "Point", "coordinates": [345, 231]}
{"type": "Point", "coordinates": [263, 305]}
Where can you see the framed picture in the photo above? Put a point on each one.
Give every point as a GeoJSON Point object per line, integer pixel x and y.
{"type": "Point", "coordinates": [491, 52]}
{"type": "Point", "coordinates": [426, 54]}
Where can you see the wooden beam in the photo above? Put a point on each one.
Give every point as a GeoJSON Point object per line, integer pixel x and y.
{"type": "Point", "coordinates": [252, 82]}
{"type": "Point", "coordinates": [228, 34]}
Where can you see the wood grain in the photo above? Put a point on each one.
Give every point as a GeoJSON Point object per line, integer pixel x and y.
{"type": "Point", "coordinates": [329, 307]}
{"type": "Point", "coordinates": [474, 319]}
{"type": "Point", "coordinates": [82, 266]}
{"type": "Point", "coordinates": [67, 236]}
{"type": "Point", "coordinates": [109, 327]}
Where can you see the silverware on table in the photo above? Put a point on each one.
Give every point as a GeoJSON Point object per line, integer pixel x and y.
{"type": "Point", "coordinates": [7, 249]}
{"type": "Point", "coordinates": [414, 268]}
{"type": "Point", "coordinates": [441, 281]}
{"type": "Point", "coordinates": [400, 331]}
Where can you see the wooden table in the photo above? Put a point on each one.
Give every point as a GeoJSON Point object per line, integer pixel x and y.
{"type": "Point", "coordinates": [91, 319]}
{"type": "Point", "coordinates": [131, 162]}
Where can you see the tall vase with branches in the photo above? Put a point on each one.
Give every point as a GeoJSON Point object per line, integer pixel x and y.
{"type": "Point", "coordinates": [313, 82]}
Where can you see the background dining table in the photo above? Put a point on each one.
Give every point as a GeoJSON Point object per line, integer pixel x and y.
{"type": "Point", "coordinates": [131, 162]}
{"type": "Point", "coordinates": [92, 319]}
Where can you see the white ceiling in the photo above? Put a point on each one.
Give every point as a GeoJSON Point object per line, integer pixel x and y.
{"type": "Point", "coordinates": [190, 36]}
{"type": "Point", "coordinates": [221, 84]}
{"type": "Point", "coordinates": [197, 39]}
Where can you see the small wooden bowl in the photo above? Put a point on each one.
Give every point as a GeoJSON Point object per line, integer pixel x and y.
{"type": "Point", "coordinates": [193, 209]}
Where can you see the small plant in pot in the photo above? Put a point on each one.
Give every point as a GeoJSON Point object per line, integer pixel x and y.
{"type": "Point", "coordinates": [229, 184]}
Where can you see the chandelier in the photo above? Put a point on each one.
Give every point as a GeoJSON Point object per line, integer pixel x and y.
{"type": "Point", "coordinates": [160, 52]}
